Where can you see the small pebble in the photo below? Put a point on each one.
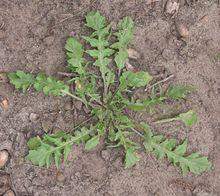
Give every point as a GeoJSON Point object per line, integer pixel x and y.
{"type": "Point", "coordinates": [9, 193]}
{"type": "Point", "coordinates": [33, 117]}
{"type": "Point", "coordinates": [172, 7]}
{"type": "Point", "coordinates": [4, 104]}
{"type": "Point", "coordinates": [182, 30]}
{"type": "Point", "coordinates": [3, 157]}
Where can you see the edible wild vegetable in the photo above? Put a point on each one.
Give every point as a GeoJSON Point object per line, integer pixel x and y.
{"type": "Point", "coordinates": [108, 119]}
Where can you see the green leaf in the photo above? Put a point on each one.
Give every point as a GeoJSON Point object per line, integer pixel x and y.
{"type": "Point", "coordinates": [50, 86]}
{"type": "Point", "coordinates": [99, 40]}
{"type": "Point", "coordinates": [75, 55]}
{"type": "Point", "coordinates": [57, 157]}
{"type": "Point", "coordinates": [93, 53]}
{"type": "Point", "coordinates": [124, 36]}
{"type": "Point", "coordinates": [189, 118]}
{"type": "Point", "coordinates": [196, 163]}
{"type": "Point", "coordinates": [181, 149]}
{"type": "Point", "coordinates": [137, 79]}
{"type": "Point", "coordinates": [125, 32]}
{"type": "Point", "coordinates": [130, 158]}
{"type": "Point", "coordinates": [176, 154]}
{"type": "Point", "coordinates": [120, 58]}
{"type": "Point", "coordinates": [138, 105]}
{"type": "Point", "coordinates": [67, 150]}
{"type": "Point", "coordinates": [34, 143]}
{"type": "Point", "coordinates": [178, 91]}
{"type": "Point", "coordinates": [95, 20]}
{"type": "Point", "coordinates": [21, 80]}
{"type": "Point", "coordinates": [54, 147]}
{"type": "Point", "coordinates": [92, 143]}
{"type": "Point", "coordinates": [74, 47]}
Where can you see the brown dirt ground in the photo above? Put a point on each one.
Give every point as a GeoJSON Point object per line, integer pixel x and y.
{"type": "Point", "coordinates": [32, 36]}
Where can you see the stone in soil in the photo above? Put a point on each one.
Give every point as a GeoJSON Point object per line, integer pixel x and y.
{"type": "Point", "coordinates": [33, 117]}
{"type": "Point", "coordinates": [3, 158]}
{"type": "Point", "coordinates": [9, 193]}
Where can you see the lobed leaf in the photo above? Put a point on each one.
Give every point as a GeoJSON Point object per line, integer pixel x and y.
{"type": "Point", "coordinates": [50, 86]}
{"type": "Point", "coordinates": [137, 79]}
{"type": "Point", "coordinates": [188, 118]}
{"type": "Point", "coordinates": [21, 80]}
{"type": "Point", "coordinates": [34, 143]}
{"type": "Point", "coordinates": [95, 20]}
{"type": "Point", "coordinates": [75, 55]}
{"type": "Point", "coordinates": [92, 143]}
{"type": "Point", "coordinates": [99, 40]}
{"type": "Point", "coordinates": [130, 147]}
{"type": "Point", "coordinates": [53, 147]}
{"type": "Point", "coordinates": [131, 157]}
{"type": "Point", "coordinates": [124, 36]}
{"type": "Point", "coordinates": [176, 154]}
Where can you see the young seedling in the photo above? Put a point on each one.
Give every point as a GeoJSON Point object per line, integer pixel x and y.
{"type": "Point", "coordinates": [108, 103]}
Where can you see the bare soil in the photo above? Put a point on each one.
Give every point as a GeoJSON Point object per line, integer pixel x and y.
{"type": "Point", "coordinates": [32, 37]}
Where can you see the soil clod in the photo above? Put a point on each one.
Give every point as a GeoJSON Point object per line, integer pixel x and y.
{"type": "Point", "coordinates": [47, 125]}
{"type": "Point", "coordinates": [4, 183]}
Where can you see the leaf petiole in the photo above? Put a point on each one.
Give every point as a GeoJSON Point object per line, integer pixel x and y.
{"type": "Point", "coordinates": [73, 96]}
{"type": "Point", "coordinates": [188, 118]}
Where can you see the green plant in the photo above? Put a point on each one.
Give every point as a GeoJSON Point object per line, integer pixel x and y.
{"type": "Point", "coordinates": [108, 119]}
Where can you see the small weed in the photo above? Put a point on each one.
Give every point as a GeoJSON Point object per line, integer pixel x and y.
{"type": "Point", "coordinates": [108, 104]}
{"type": "Point", "coordinates": [217, 57]}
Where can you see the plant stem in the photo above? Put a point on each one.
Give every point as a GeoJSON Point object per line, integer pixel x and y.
{"type": "Point", "coordinates": [137, 132]}
{"type": "Point", "coordinates": [166, 120]}
{"type": "Point", "coordinates": [82, 123]}
{"type": "Point", "coordinates": [73, 96]}
{"type": "Point", "coordinates": [72, 141]}
{"type": "Point", "coordinates": [159, 82]}
{"type": "Point", "coordinates": [96, 100]}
